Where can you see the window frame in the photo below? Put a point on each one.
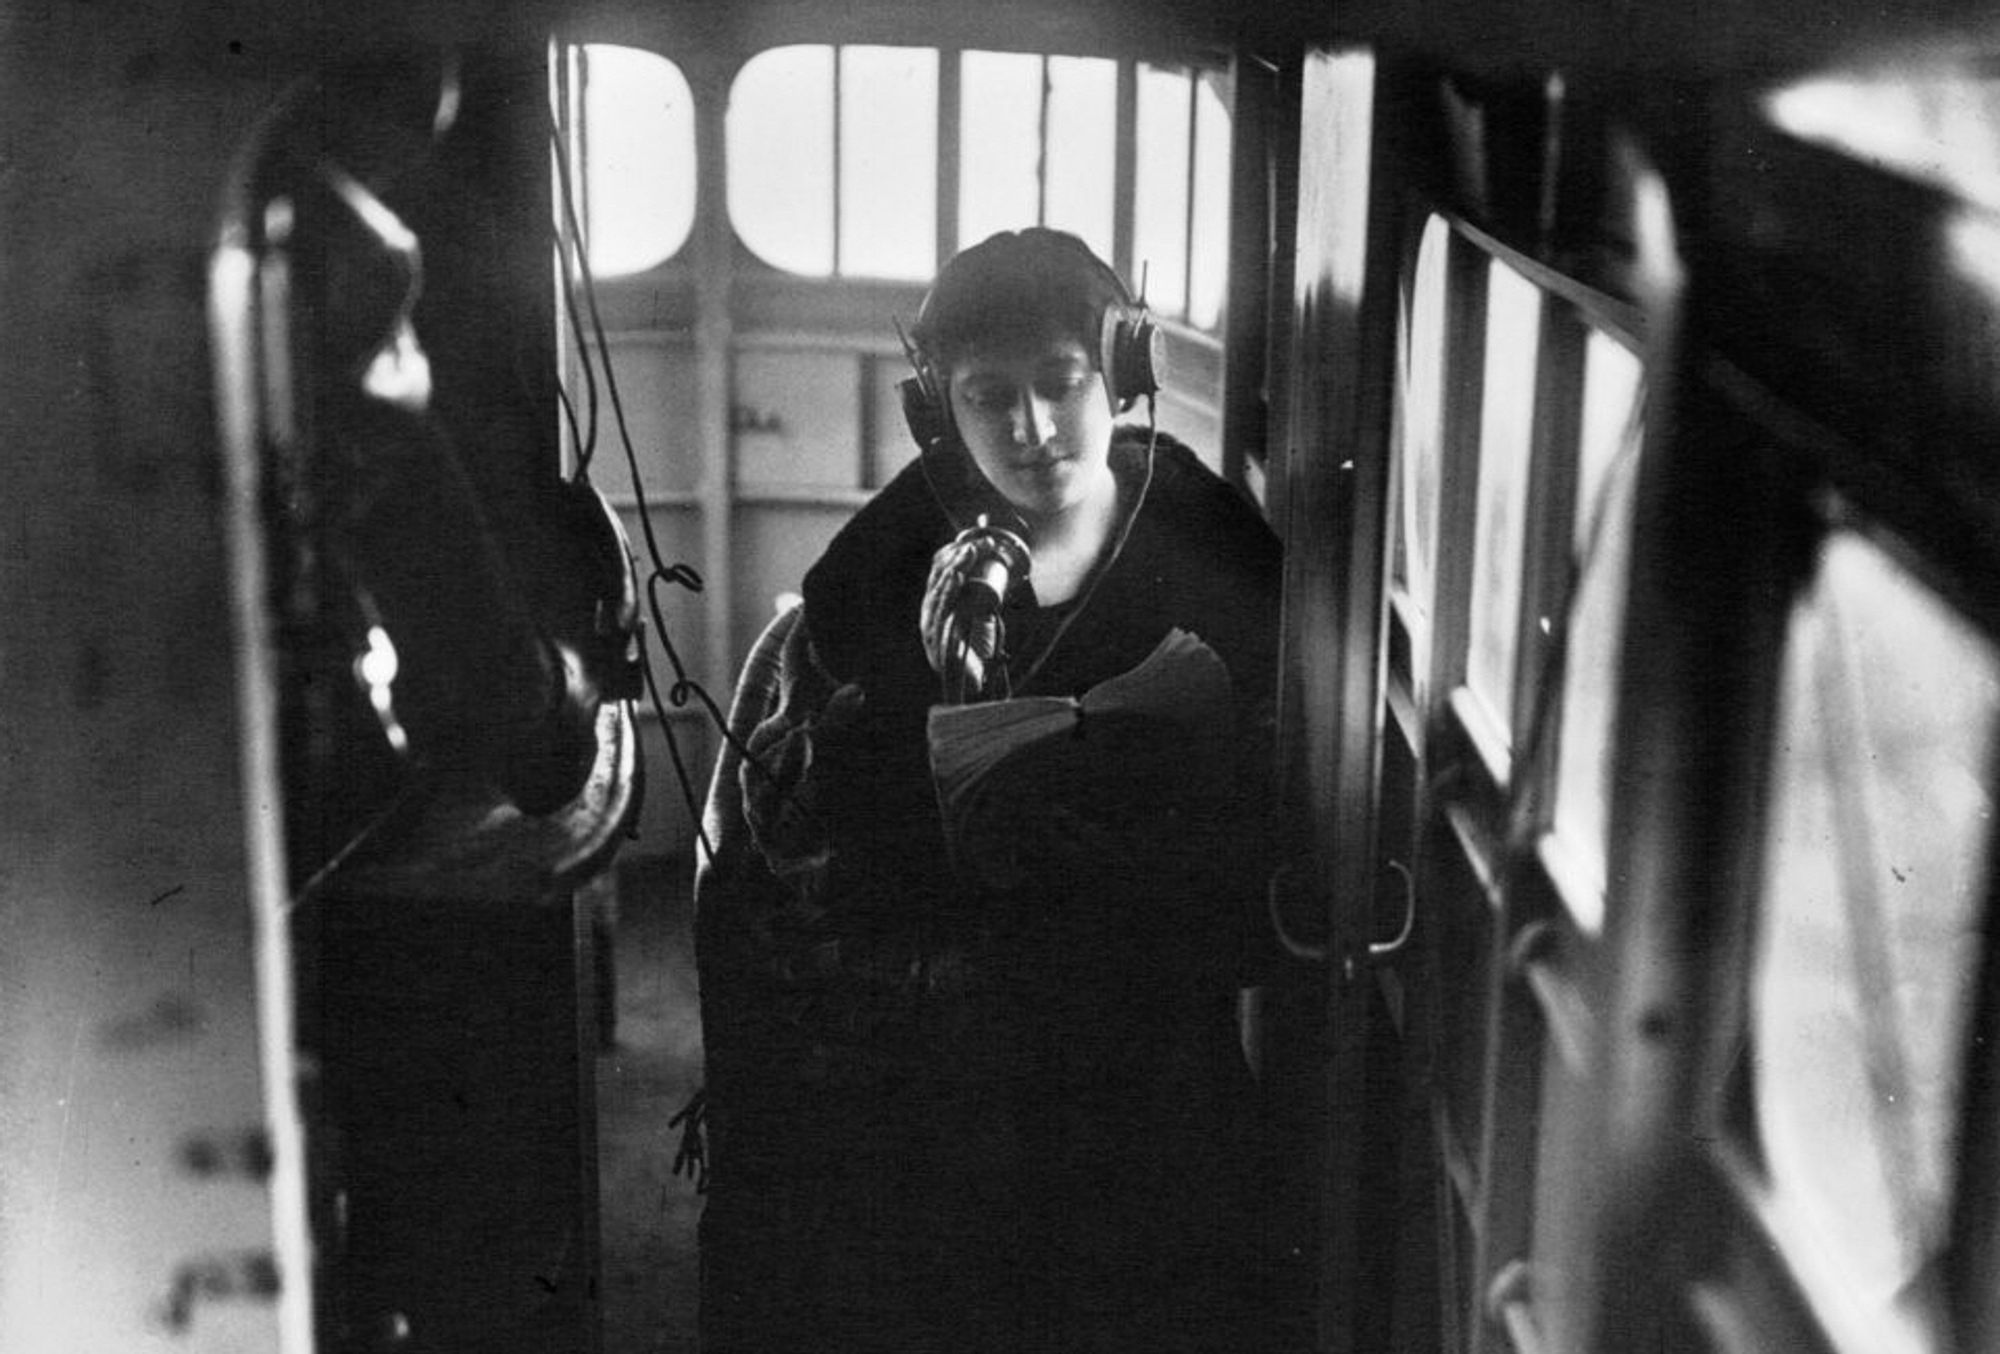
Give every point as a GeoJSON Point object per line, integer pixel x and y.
{"type": "Point", "coordinates": [949, 160]}
{"type": "Point", "coordinates": [1488, 862]}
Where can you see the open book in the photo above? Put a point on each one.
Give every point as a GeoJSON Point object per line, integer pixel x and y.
{"type": "Point", "coordinates": [1179, 693]}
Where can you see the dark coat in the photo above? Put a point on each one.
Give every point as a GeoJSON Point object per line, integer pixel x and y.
{"type": "Point", "coordinates": [956, 1117]}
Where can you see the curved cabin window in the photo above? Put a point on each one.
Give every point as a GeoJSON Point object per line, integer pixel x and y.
{"type": "Point", "coordinates": [1875, 871]}
{"type": "Point", "coordinates": [637, 138]}
{"type": "Point", "coordinates": [780, 153]}
{"type": "Point", "coordinates": [833, 160]}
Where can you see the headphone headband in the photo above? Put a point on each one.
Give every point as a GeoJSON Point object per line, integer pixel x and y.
{"type": "Point", "coordinates": [1128, 348]}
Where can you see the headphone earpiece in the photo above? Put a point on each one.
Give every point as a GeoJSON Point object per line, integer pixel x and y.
{"type": "Point", "coordinates": [924, 408]}
{"type": "Point", "coordinates": [611, 644]}
{"type": "Point", "coordinates": [925, 413]}
{"type": "Point", "coordinates": [1132, 355]}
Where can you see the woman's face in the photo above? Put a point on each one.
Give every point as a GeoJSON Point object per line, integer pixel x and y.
{"type": "Point", "coordinates": [1034, 414]}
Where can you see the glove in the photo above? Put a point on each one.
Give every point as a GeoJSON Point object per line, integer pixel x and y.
{"type": "Point", "coordinates": [785, 779]}
{"type": "Point", "coordinates": [943, 626]}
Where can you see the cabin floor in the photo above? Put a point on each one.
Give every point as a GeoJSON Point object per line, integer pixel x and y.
{"type": "Point", "coordinates": [647, 1215]}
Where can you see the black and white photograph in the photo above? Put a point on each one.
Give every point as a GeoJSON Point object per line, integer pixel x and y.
{"type": "Point", "coordinates": [1031, 677]}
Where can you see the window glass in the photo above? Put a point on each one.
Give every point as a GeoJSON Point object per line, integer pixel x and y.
{"type": "Point", "coordinates": [1023, 161]}
{"type": "Point", "coordinates": [1000, 152]}
{"type": "Point", "coordinates": [1935, 118]}
{"type": "Point", "coordinates": [888, 162]}
{"type": "Point", "coordinates": [1875, 869]}
{"type": "Point", "coordinates": [1506, 431]}
{"type": "Point", "coordinates": [1081, 153]}
{"type": "Point", "coordinates": [1607, 470]}
{"type": "Point", "coordinates": [780, 150]}
{"type": "Point", "coordinates": [1160, 188]}
{"type": "Point", "coordinates": [638, 163]}
{"type": "Point", "coordinates": [1611, 376]}
{"type": "Point", "coordinates": [1208, 250]}
{"type": "Point", "coordinates": [1423, 416]}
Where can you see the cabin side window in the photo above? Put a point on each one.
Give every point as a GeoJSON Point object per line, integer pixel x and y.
{"type": "Point", "coordinates": [1506, 446]}
{"type": "Point", "coordinates": [1870, 931]}
{"type": "Point", "coordinates": [1181, 193]}
{"type": "Point", "coordinates": [1518, 419]}
{"type": "Point", "coordinates": [1601, 544]}
{"type": "Point", "coordinates": [1517, 427]}
{"type": "Point", "coordinates": [1419, 453]}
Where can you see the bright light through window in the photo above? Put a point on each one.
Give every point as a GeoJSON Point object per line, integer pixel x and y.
{"type": "Point", "coordinates": [1611, 408]}
{"type": "Point", "coordinates": [1607, 461]}
{"type": "Point", "coordinates": [1012, 172]}
{"type": "Point", "coordinates": [789, 184]}
{"type": "Point", "coordinates": [638, 164]}
{"type": "Point", "coordinates": [1937, 121]}
{"type": "Point", "coordinates": [1506, 433]}
{"type": "Point", "coordinates": [1208, 250]}
{"type": "Point", "coordinates": [1160, 206]}
{"type": "Point", "coordinates": [888, 162]}
{"type": "Point", "coordinates": [1037, 144]}
{"type": "Point", "coordinates": [780, 140]}
{"type": "Point", "coordinates": [1000, 103]}
{"type": "Point", "coordinates": [1423, 413]}
{"type": "Point", "coordinates": [1875, 881]}
{"type": "Point", "coordinates": [1082, 147]}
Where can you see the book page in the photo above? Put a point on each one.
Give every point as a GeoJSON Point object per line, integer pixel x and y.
{"type": "Point", "coordinates": [1181, 682]}
{"type": "Point", "coordinates": [1180, 679]}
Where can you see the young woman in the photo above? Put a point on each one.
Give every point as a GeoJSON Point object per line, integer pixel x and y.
{"type": "Point", "coordinates": [987, 1092]}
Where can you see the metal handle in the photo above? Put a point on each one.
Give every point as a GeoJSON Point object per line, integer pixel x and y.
{"type": "Point", "coordinates": [1382, 949]}
{"type": "Point", "coordinates": [1510, 1301]}
{"type": "Point", "coordinates": [1284, 883]}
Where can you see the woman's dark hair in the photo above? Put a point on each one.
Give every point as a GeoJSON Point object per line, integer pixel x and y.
{"type": "Point", "coordinates": [1017, 283]}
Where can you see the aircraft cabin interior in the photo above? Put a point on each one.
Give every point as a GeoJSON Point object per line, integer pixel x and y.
{"type": "Point", "coordinates": [417, 414]}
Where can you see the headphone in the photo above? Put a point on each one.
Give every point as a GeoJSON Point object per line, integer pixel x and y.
{"type": "Point", "coordinates": [611, 647]}
{"type": "Point", "coordinates": [1130, 350]}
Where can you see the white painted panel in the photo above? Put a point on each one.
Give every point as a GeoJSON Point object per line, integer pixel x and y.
{"type": "Point", "coordinates": [134, 1208]}
{"type": "Point", "coordinates": [797, 420]}
{"type": "Point", "coordinates": [656, 387]}
{"type": "Point", "coordinates": [774, 546]}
